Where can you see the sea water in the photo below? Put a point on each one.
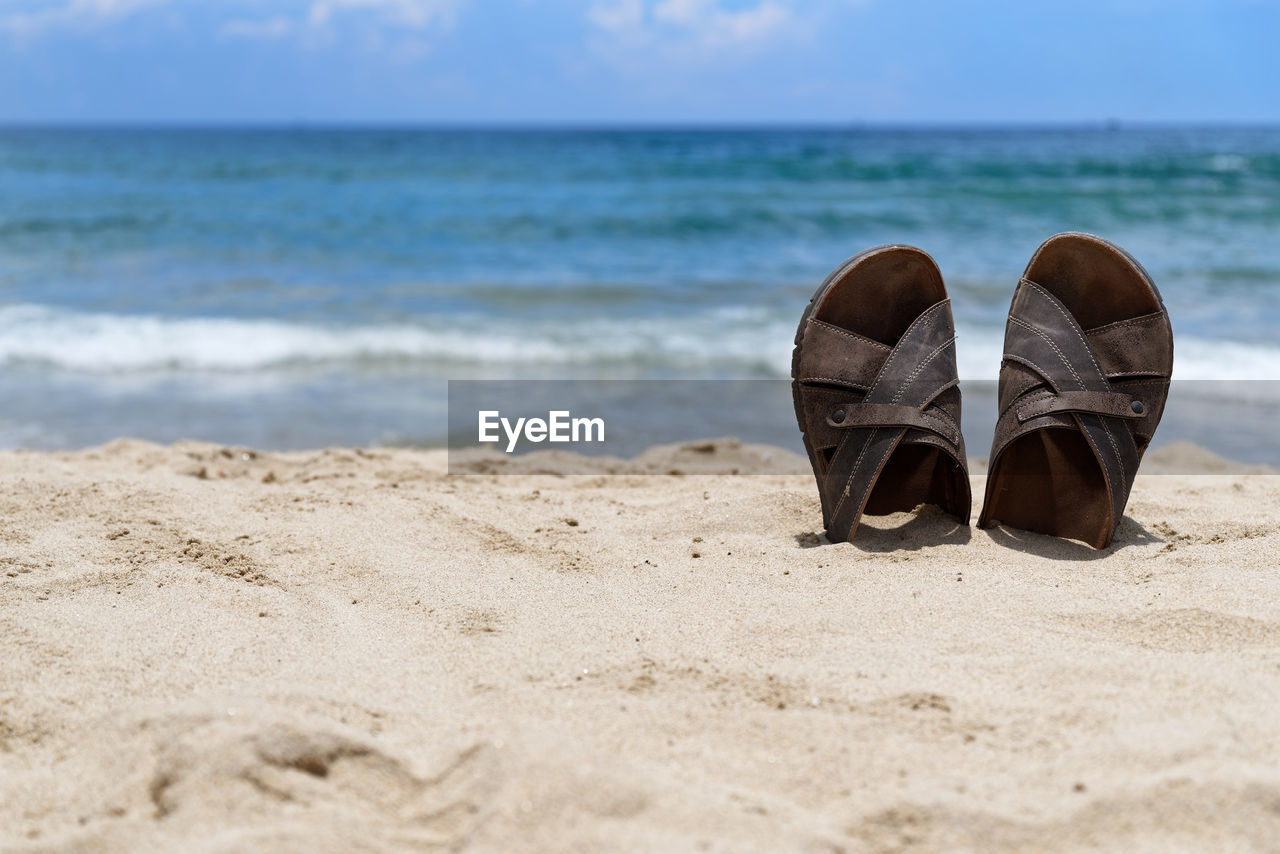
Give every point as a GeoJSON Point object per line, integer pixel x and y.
{"type": "Point", "coordinates": [301, 287]}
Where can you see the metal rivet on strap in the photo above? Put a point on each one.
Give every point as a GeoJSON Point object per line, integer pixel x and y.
{"type": "Point", "coordinates": [1137, 407]}
{"type": "Point", "coordinates": [837, 416]}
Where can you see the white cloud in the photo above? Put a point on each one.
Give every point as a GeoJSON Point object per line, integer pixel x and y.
{"type": "Point", "coordinates": [315, 20]}
{"type": "Point", "coordinates": [394, 25]}
{"type": "Point", "coordinates": [258, 28]}
{"type": "Point", "coordinates": [415, 14]}
{"type": "Point", "coordinates": [620, 16]}
{"type": "Point", "coordinates": [692, 27]}
{"type": "Point", "coordinates": [70, 13]}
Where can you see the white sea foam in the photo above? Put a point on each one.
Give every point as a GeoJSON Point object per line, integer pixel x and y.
{"type": "Point", "coordinates": [113, 344]}
{"type": "Point", "coordinates": [1196, 359]}
{"type": "Point", "coordinates": [731, 341]}
{"type": "Point", "coordinates": [1228, 163]}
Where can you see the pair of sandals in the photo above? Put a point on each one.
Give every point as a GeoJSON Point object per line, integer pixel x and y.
{"type": "Point", "coordinates": [1088, 353]}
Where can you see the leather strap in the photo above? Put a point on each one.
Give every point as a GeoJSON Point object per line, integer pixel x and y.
{"type": "Point", "coordinates": [1043, 340]}
{"type": "Point", "coordinates": [920, 367]}
{"type": "Point", "coordinates": [892, 415]}
{"type": "Point", "coordinates": [1134, 347]}
{"type": "Point", "coordinates": [1113, 403]}
{"type": "Point", "coordinates": [833, 355]}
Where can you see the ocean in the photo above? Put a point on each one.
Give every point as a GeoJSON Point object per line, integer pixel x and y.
{"type": "Point", "coordinates": [305, 287]}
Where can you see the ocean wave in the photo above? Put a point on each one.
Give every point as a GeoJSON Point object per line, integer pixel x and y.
{"type": "Point", "coordinates": [1197, 360]}
{"type": "Point", "coordinates": [113, 344]}
{"type": "Point", "coordinates": [733, 341]}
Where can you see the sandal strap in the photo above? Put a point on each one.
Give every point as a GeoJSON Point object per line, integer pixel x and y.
{"type": "Point", "coordinates": [1113, 403]}
{"type": "Point", "coordinates": [1045, 345]}
{"type": "Point", "coordinates": [919, 368]}
{"type": "Point", "coordinates": [835, 356]}
{"type": "Point", "coordinates": [845, 416]}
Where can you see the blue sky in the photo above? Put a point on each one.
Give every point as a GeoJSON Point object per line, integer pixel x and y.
{"type": "Point", "coordinates": [588, 61]}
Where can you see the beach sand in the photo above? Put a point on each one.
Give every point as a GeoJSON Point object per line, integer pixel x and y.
{"type": "Point", "coordinates": [207, 649]}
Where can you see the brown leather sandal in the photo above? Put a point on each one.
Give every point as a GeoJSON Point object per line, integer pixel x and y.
{"type": "Point", "coordinates": [875, 390]}
{"type": "Point", "coordinates": [1088, 352]}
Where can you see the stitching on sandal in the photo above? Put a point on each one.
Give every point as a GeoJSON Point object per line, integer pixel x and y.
{"type": "Point", "coordinates": [896, 349]}
{"type": "Point", "coordinates": [858, 386]}
{"type": "Point", "coordinates": [920, 367]}
{"type": "Point", "coordinates": [1121, 324]}
{"type": "Point", "coordinates": [1074, 326]}
{"type": "Point", "coordinates": [846, 333]}
{"type": "Point", "coordinates": [1037, 331]}
{"type": "Point", "coordinates": [853, 472]}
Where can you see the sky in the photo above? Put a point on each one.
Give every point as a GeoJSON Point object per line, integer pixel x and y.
{"type": "Point", "coordinates": [638, 61]}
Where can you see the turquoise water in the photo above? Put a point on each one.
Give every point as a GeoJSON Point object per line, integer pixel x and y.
{"type": "Point", "coordinates": [299, 287]}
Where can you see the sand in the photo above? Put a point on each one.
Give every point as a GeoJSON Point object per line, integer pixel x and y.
{"type": "Point", "coordinates": [207, 649]}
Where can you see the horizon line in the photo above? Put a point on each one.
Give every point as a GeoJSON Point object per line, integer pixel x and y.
{"type": "Point", "coordinates": [630, 124]}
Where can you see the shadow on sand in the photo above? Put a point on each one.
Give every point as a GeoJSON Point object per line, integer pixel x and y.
{"type": "Point", "coordinates": [1130, 533]}
{"type": "Point", "coordinates": [929, 526]}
